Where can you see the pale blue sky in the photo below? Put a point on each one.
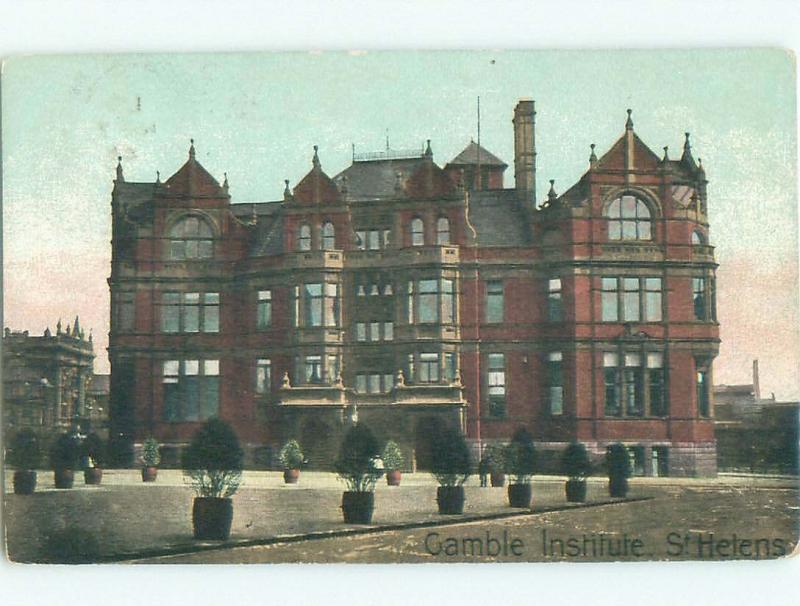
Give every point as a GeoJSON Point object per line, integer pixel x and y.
{"type": "Point", "coordinates": [65, 119]}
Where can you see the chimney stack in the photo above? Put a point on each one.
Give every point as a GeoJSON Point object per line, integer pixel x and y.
{"type": "Point", "coordinates": [525, 150]}
{"type": "Point", "coordinates": [756, 386]}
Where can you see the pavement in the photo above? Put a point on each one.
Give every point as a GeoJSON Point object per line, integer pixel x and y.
{"type": "Point", "coordinates": [125, 519]}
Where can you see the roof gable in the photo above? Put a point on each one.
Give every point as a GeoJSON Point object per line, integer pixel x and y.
{"type": "Point", "coordinates": [316, 187]}
{"type": "Point", "coordinates": [474, 154]}
{"type": "Point", "coordinates": [643, 157]}
{"type": "Point", "coordinates": [192, 179]}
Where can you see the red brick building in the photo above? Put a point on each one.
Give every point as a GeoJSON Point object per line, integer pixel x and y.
{"type": "Point", "coordinates": [406, 296]}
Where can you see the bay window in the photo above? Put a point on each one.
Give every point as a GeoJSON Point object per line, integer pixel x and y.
{"type": "Point", "coordinates": [431, 301]}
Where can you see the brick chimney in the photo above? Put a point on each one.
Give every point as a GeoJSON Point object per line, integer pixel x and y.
{"type": "Point", "coordinates": [756, 386]}
{"type": "Point", "coordinates": [525, 150]}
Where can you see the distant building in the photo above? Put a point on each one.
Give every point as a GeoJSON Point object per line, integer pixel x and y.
{"type": "Point", "coordinates": [407, 296]}
{"type": "Point", "coordinates": [47, 382]}
{"type": "Point", "coordinates": [755, 434]}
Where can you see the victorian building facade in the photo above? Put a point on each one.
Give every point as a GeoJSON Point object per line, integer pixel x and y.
{"type": "Point", "coordinates": [407, 296]}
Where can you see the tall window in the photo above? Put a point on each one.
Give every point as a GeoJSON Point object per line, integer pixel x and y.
{"type": "Point", "coordinates": [304, 238]}
{"type": "Point", "coordinates": [431, 301]}
{"type": "Point", "coordinates": [494, 301]}
{"type": "Point", "coordinates": [428, 368]}
{"type": "Point", "coordinates": [318, 304]}
{"type": "Point", "coordinates": [442, 231]}
{"type": "Point", "coordinates": [634, 384]}
{"type": "Point", "coordinates": [417, 232]}
{"type": "Point", "coordinates": [631, 299]}
{"type": "Point", "coordinates": [555, 383]}
{"type": "Point", "coordinates": [310, 369]}
{"type": "Point", "coordinates": [555, 312]}
{"type": "Point", "coordinates": [450, 366]}
{"type": "Point", "coordinates": [374, 382]}
{"type": "Point", "coordinates": [263, 376]}
{"type": "Point", "coordinates": [328, 236]}
{"type": "Point", "coordinates": [612, 395]}
{"type": "Point", "coordinates": [264, 309]}
{"type": "Point", "coordinates": [697, 238]}
{"type": "Point", "coordinates": [190, 312]}
{"type": "Point", "coordinates": [703, 393]}
{"type": "Point", "coordinates": [191, 238]}
{"type": "Point", "coordinates": [496, 383]}
{"type": "Point", "coordinates": [191, 390]}
{"type": "Point", "coordinates": [124, 318]}
{"type": "Point", "coordinates": [655, 381]}
{"type": "Point", "coordinates": [373, 239]}
{"type": "Point", "coordinates": [628, 219]}
{"type": "Point", "coordinates": [704, 298]}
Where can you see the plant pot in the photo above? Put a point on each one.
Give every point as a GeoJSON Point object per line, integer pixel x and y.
{"type": "Point", "coordinates": [576, 491]}
{"type": "Point", "coordinates": [498, 479]}
{"type": "Point", "coordinates": [519, 495]}
{"type": "Point", "coordinates": [211, 518]}
{"type": "Point", "coordinates": [149, 474]}
{"type": "Point", "coordinates": [93, 475]}
{"type": "Point", "coordinates": [450, 500]}
{"type": "Point", "coordinates": [64, 478]}
{"type": "Point", "coordinates": [393, 477]}
{"type": "Point", "coordinates": [618, 486]}
{"type": "Point", "coordinates": [24, 482]}
{"type": "Point", "coordinates": [357, 507]}
{"type": "Point", "coordinates": [290, 476]}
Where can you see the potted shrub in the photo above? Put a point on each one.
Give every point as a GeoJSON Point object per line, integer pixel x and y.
{"type": "Point", "coordinates": [92, 459]}
{"type": "Point", "coordinates": [64, 456]}
{"type": "Point", "coordinates": [291, 457]}
{"type": "Point", "coordinates": [575, 464]}
{"type": "Point", "coordinates": [619, 470]}
{"type": "Point", "coordinates": [23, 456]}
{"type": "Point", "coordinates": [213, 462]}
{"type": "Point", "coordinates": [521, 464]}
{"type": "Point", "coordinates": [392, 461]}
{"type": "Point", "coordinates": [496, 458]}
{"type": "Point", "coordinates": [450, 465]}
{"type": "Point", "coordinates": [357, 465]}
{"type": "Point", "coordinates": [151, 457]}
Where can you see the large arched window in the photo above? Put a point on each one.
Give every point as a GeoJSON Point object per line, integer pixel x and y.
{"type": "Point", "coordinates": [629, 218]}
{"type": "Point", "coordinates": [417, 232]}
{"type": "Point", "coordinates": [191, 238]}
{"type": "Point", "coordinates": [304, 238]}
{"type": "Point", "coordinates": [442, 231]}
{"type": "Point", "coordinates": [328, 236]}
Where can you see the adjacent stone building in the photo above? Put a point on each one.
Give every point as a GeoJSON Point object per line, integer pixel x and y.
{"type": "Point", "coordinates": [407, 296]}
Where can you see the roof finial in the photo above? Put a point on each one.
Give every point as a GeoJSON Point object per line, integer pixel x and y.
{"type": "Point", "coordinates": [120, 176]}
{"type": "Point", "coordinates": [629, 121]}
{"type": "Point", "coordinates": [225, 183]}
{"type": "Point", "coordinates": [315, 159]}
{"type": "Point", "coordinates": [90, 335]}
{"type": "Point", "coordinates": [700, 168]}
{"type": "Point", "coordinates": [592, 156]}
{"type": "Point", "coordinates": [191, 148]}
{"type": "Point", "coordinates": [686, 144]}
{"type": "Point", "coordinates": [287, 193]}
{"type": "Point", "coordinates": [666, 153]}
{"type": "Point", "coordinates": [47, 332]}
{"type": "Point", "coordinates": [58, 327]}
{"type": "Point", "coordinates": [428, 150]}
{"type": "Point", "coordinates": [158, 177]}
{"type": "Point", "coordinates": [552, 195]}
{"type": "Point", "coordinates": [687, 158]}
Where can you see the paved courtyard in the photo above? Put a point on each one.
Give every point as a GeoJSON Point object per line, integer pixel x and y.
{"type": "Point", "coordinates": [126, 519]}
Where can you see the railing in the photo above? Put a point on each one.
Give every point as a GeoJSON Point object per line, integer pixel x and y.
{"type": "Point", "coordinates": [389, 154]}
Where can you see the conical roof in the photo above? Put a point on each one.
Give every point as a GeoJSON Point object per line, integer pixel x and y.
{"type": "Point", "coordinates": [474, 154]}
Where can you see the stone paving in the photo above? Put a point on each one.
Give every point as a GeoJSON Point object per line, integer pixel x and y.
{"type": "Point", "coordinates": [125, 518]}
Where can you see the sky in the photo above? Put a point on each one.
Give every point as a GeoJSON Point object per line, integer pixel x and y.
{"type": "Point", "coordinates": [65, 119]}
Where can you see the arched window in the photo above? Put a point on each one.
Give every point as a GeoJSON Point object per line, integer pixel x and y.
{"type": "Point", "coordinates": [697, 238]}
{"type": "Point", "coordinates": [629, 219]}
{"type": "Point", "coordinates": [417, 232]}
{"type": "Point", "coordinates": [328, 236]}
{"type": "Point", "coordinates": [442, 231]}
{"type": "Point", "coordinates": [191, 238]}
{"type": "Point", "coordinates": [304, 239]}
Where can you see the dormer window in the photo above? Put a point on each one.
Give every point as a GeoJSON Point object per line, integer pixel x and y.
{"type": "Point", "coordinates": [304, 238]}
{"type": "Point", "coordinates": [191, 238]}
{"type": "Point", "coordinates": [328, 236]}
{"type": "Point", "coordinates": [417, 232]}
{"type": "Point", "coordinates": [629, 218]}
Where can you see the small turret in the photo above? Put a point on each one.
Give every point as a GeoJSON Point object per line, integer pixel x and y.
{"type": "Point", "coordinates": [592, 157]}
{"type": "Point", "coordinates": [120, 176]}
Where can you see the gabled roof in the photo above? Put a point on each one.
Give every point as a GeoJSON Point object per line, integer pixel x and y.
{"type": "Point", "coordinates": [193, 180]}
{"type": "Point", "coordinates": [429, 181]}
{"type": "Point", "coordinates": [474, 154]}
{"type": "Point", "coordinates": [316, 187]}
{"type": "Point", "coordinates": [643, 157]}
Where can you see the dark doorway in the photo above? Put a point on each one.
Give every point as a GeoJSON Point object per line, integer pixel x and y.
{"type": "Point", "coordinates": [318, 444]}
{"type": "Point", "coordinates": [425, 432]}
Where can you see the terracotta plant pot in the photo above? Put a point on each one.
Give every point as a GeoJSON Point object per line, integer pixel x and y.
{"type": "Point", "coordinates": [64, 478]}
{"type": "Point", "coordinates": [450, 500]}
{"type": "Point", "coordinates": [576, 491]}
{"type": "Point", "coordinates": [24, 482]}
{"type": "Point", "coordinates": [393, 477]}
{"type": "Point", "coordinates": [498, 479]}
{"type": "Point", "coordinates": [618, 486]}
{"type": "Point", "coordinates": [519, 495]}
{"type": "Point", "coordinates": [290, 476]}
{"type": "Point", "coordinates": [357, 507]}
{"type": "Point", "coordinates": [211, 518]}
{"type": "Point", "coordinates": [93, 475]}
{"type": "Point", "coordinates": [149, 474]}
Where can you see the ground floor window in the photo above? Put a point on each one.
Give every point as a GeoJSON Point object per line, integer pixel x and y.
{"type": "Point", "coordinates": [660, 461]}
{"type": "Point", "coordinates": [636, 456]}
{"type": "Point", "coordinates": [555, 383]}
{"type": "Point", "coordinates": [263, 376]}
{"type": "Point", "coordinates": [496, 381]}
{"type": "Point", "coordinates": [634, 384]}
{"type": "Point", "coordinates": [191, 390]}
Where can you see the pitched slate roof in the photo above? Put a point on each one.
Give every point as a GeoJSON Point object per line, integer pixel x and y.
{"type": "Point", "coordinates": [498, 218]}
{"type": "Point", "coordinates": [375, 179]}
{"type": "Point", "coordinates": [428, 181]}
{"type": "Point", "coordinates": [643, 157]}
{"type": "Point", "coordinates": [469, 156]}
